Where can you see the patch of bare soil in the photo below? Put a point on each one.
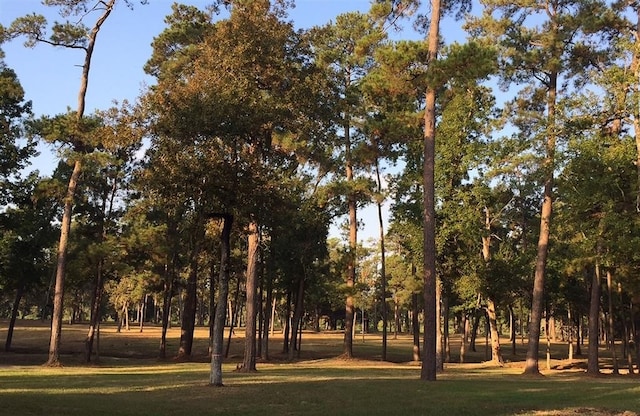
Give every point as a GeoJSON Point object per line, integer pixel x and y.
{"type": "Point", "coordinates": [581, 411]}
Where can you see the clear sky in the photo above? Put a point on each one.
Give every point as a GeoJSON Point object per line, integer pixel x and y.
{"type": "Point", "coordinates": [50, 76]}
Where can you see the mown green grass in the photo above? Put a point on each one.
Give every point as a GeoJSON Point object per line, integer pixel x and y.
{"type": "Point", "coordinates": [130, 380]}
{"type": "Point", "coordinates": [324, 387]}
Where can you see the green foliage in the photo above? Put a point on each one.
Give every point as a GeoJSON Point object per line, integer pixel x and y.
{"type": "Point", "coordinates": [15, 148]}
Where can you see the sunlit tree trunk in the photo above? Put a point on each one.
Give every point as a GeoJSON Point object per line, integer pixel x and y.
{"type": "Point", "coordinates": [429, 355]}
{"type": "Point", "coordinates": [496, 354]}
{"type": "Point", "coordinates": [537, 302]}
{"type": "Point", "coordinates": [249, 360]}
{"type": "Point", "coordinates": [383, 275]}
{"type": "Point", "coordinates": [215, 377]}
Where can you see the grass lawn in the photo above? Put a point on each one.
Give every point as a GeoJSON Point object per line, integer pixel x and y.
{"type": "Point", "coordinates": [129, 380]}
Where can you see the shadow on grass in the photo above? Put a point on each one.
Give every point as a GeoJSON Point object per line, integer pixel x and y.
{"type": "Point", "coordinates": [313, 388]}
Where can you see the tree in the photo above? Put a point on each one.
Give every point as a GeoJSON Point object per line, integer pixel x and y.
{"type": "Point", "coordinates": [429, 357]}
{"type": "Point", "coordinates": [547, 51]}
{"type": "Point", "coordinates": [119, 138]}
{"type": "Point", "coordinates": [230, 141]}
{"type": "Point", "coordinates": [215, 378]}
{"type": "Point", "coordinates": [18, 218]}
{"type": "Point", "coordinates": [14, 110]}
{"type": "Point", "coordinates": [73, 36]}
{"type": "Point", "coordinates": [27, 235]}
{"type": "Point", "coordinates": [346, 49]}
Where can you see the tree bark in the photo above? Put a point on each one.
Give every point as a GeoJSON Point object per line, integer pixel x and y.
{"type": "Point", "coordinates": [347, 351]}
{"type": "Point", "coordinates": [445, 331]}
{"type": "Point", "coordinates": [635, 66]}
{"type": "Point", "coordinates": [287, 324]}
{"type": "Point", "coordinates": [429, 354]}
{"type": "Point", "coordinates": [212, 302]}
{"type": "Point", "coordinates": [496, 352]}
{"type": "Point", "coordinates": [611, 332]}
{"type": "Point", "coordinates": [396, 316]}
{"type": "Point", "coordinates": [465, 336]}
{"type": "Point", "coordinates": [96, 301]}
{"type": "Point", "coordinates": [383, 277]}
{"type": "Point", "coordinates": [249, 359]}
{"type": "Point", "coordinates": [188, 323]}
{"type": "Point", "coordinates": [415, 326]}
{"type": "Point", "coordinates": [166, 305]}
{"type": "Point", "coordinates": [268, 318]}
{"type": "Point", "coordinates": [297, 315]}
{"type": "Point", "coordinates": [234, 309]}
{"type": "Point", "coordinates": [537, 302]}
{"type": "Point", "coordinates": [512, 332]}
{"type": "Point", "coordinates": [14, 316]}
{"type": "Point", "coordinates": [593, 367]}
{"type": "Point", "coordinates": [215, 377]}
{"type": "Point", "coordinates": [570, 340]}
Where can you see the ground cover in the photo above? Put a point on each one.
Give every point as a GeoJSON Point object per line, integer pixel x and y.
{"type": "Point", "coordinates": [129, 380]}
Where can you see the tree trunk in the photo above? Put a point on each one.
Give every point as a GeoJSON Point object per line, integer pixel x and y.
{"type": "Point", "coordinates": [212, 302]}
{"type": "Point", "coordinates": [396, 317]}
{"type": "Point", "coordinates": [636, 113]}
{"type": "Point", "coordinates": [445, 330]}
{"type": "Point", "coordinates": [268, 314]}
{"type": "Point", "coordinates": [415, 327]}
{"type": "Point", "coordinates": [579, 334]}
{"type": "Point", "coordinates": [166, 306]}
{"type": "Point", "coordinates": [593, 367]}
{"type": "Point", "coordinates": [383, 277]}
{"type": "Point", "coordinates": [143, 311]}
{"type": "Point", "coordinates": [547, 330]}
{"type": "Point", "coordinates": [249, 360]}
{"type": "Point", "coordinates": [58, 294]}
{"type": "Point", "coordinates": [474, 330]}
{"type": "Point", "coordinates": [429, 354]}
{"type": "Point", "coordinates": [297, 316]}
{"type": "Point", "coordinates": [14, 316]}
{"type": "Point", "coordinates": [465, 336]}
{"type": "Point", "coordinates": [512, 332]}
{"type": "Point", "coordinates": [65, 227]}
{"type": "Point", "coordinates": [612, 339]}
{"type": "Point", "coordinates": [187, 326]}
{"type": "Point", "coordinates": [570, 340]}
{"type": "Point", "coordinates": [287, 326]}
{"type": "Point", "coordinates": [96, 301]}
{"type": "Point", "coordinates": [496, 353]}
{"type": "Point", "coordinates": [439, 328]}
{"type": "Point", "coordinates": [625, 344]}
{"type": "Point", "coordinates": [352, 256]}
{"type": "Point", "coordinates": [234, 317]}
{"type": "Point", "coordinates": [215, 378]}
{"type": "Point", "coordinates": [537, 302]}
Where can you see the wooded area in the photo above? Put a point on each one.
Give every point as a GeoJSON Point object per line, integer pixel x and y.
{"type": "Point", "coordinates": [510, 162]}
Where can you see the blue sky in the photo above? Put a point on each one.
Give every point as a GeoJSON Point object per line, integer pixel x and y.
{"type": "Point", "coordinates": [50, 76]}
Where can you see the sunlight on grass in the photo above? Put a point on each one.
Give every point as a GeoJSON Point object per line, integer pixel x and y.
{"type": "Point", "coordinates": [321, 387]}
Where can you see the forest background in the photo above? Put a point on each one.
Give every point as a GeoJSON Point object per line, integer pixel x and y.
{"type": "Point", "coordinates": [260, 136]}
